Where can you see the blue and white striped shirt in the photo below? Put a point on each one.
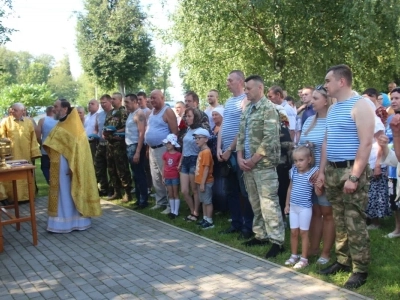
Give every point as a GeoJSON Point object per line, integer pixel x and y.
{"type": "Point", "coordinates": [342, 137]}
{"type": "Point", "coordinates": [315, 136]}
{"type": "Point", "coordinates": [301, 187]}
{"type": "Point", "coordinates": [231, 121]}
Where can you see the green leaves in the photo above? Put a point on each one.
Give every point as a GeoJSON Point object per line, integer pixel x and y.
{"type": "Point", "coordinates": [33, 96]}
{"type": "Point", "coordinates": [291, 43]}
{"type": "Point", "coordinates": [112, 42]}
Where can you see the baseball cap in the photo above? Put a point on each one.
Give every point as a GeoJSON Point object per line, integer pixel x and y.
{"type": "Point", "coordinates": [202, 131]}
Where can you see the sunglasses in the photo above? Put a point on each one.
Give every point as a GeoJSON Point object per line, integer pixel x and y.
{"type": "Point", "coordinates": [321, 88]}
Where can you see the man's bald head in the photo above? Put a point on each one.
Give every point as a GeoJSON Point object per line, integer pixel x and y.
{"type": "Point", "coordinates": [157, 99]}
{"type": "Point", "coordinates": [93, 106]}
{"type": "Point", "coordinates": [17, 110]}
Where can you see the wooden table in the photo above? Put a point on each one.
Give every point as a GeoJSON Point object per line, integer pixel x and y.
{"type": "Point", "coordinates": [13, 174]}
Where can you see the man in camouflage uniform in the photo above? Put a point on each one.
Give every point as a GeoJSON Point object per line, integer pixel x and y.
{"type": "Point", "coordinates": [345, 163]}
{"type": "Point", "coordinates": [258, 154]}
{"type": "Point", "coordinates": [117, 163]}
{"type": "Point", "coordinates": [100, 159]}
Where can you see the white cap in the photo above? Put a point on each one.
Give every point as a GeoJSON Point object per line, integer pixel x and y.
{"type": "Point", "coordinates": [220, 110]}
{"type": "Point", "coordinates": [171, 138]}
{"type": "Point", "coordinates": [202, 131]}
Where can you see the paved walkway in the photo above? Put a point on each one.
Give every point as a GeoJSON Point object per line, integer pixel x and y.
{"type": "Point", "coordinates": [126, 255]}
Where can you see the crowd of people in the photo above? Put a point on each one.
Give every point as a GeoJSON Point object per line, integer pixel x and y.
{"type": "Point", "coordinates": [327, 166]}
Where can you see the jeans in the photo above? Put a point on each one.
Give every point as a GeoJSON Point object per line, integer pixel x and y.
{"type": "Point", "coordinates": [45, 166]}
{"type": "Point", "coordinates": [140, 174]}
{"type": "Point", "coordinates": [241, 213]}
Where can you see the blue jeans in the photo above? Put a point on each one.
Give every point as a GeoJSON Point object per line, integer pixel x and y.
{"type": "Point", "coordinates": [241, 213]}
{"type": "Point", "coordinates": [45, 166]}
{"type": "Point", "coordinates": [138, 169]}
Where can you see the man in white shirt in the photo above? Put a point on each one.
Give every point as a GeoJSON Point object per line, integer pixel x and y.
{"type": "Point", "coordinates": [90, 123]}
{"type": "Point", "coordinates": [212, 98]}
{"type": "Point", "coordinates": [275, 95]}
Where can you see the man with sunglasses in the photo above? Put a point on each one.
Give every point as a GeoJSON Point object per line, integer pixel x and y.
{"type": "Point", "coordinates": [344, 171]}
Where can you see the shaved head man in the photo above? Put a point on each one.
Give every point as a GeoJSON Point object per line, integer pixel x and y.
{"type": "Point", "coordinates": [212, 98]}
{"type": "Point", "coordinates": [161, 122]}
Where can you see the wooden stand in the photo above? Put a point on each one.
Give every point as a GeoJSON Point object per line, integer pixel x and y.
{"type": "Point", "coordinates": [13, 174]}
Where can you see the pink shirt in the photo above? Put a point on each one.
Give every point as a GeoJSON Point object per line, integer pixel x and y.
{"type": "Point", "coordinates": [171, 162]}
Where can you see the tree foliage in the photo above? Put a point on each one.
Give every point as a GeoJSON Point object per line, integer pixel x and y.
{"type": "Point", "coordinates": [33, 96]}
{"type": "Point", "coordinates": [158, 75]}
{"type": "Point", "coordinates": [5, 32]}
{"type": "Point", "coordinates": [291, 43]}
{"type": "Point", "coordinates": [23, 67]}
{"type": "Point", "coordinates": [112, 42]}
{"type": "Point", "coordinates": [61, 82]}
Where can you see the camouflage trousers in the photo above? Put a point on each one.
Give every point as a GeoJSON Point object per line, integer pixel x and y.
{"type": "Point", "coordinates": [262, 189]}
{"type": "Point", "coordinates": [118, 167]}
{"type": "Point", "coordinates": [352, 239]}
{"type": "Point", "coordinates": [100, 166]}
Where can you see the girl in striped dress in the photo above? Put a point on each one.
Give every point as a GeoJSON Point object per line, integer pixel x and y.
{"type": "Point", "coordinates": [299, 204]}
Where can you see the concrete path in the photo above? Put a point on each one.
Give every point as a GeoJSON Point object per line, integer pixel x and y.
{"type": "Point", "coordinates": [126, 255]}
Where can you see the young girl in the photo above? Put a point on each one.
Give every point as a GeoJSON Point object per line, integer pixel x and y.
{"type": "Point", "coordinates": [171, 160]}
{"type": "Point", "coordinates": [299, 204]}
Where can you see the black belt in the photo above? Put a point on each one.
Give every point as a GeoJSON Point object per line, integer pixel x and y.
{"type": "Point", "coordinates": [341, 164]}
{"type": "Point", "coordinates": [158, 146]}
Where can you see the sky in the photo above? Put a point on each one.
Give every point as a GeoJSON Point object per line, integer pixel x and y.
{"type": "Point", "coordinates": [48, 27]}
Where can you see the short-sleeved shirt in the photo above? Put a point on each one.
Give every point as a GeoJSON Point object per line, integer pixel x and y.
{"type": "Point", "coordinates": [301, 187]}
{"type": "Point", "coordinates": [117, 118]}
{"type": "Point", "coordinates": [171, 162]}
{"type": "Point", "coordinates": [204, 160]}
{"type": "Point", "coordinates": [189, 147]}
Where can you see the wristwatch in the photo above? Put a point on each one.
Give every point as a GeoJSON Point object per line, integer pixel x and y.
{"type": "Point", "coordinates": [229, 149]}
{"type": "Point", "coordinates": [353, 178]}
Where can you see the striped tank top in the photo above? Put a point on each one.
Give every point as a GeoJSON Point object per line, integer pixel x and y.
{"type": "Point", "coordinates": [315, 136]}
{"type": "Point", "coordinates": [342, 138]}
{"type": "Point", "coordinates": [231, 120]}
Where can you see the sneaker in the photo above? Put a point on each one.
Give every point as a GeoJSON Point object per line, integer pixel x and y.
{"type": "Point", "coordinates": [156, 207]}
{"type": "Point", "coordinates": [172, 216]}
{"type": "Point", "coordinates": [356, 280]}
{"type": "Point", "coordinates": [274, 251]}
{"type": "Point", "coordinates": [301, 264]}
{"type": "Point", "coordinates": [207, 225]}
{"type": "Point", "coordinates": [322, 261]}
{"type": "Point", "coordinates": [166, 211]}
{"type": "Point", "coordinates": [293, 259]}
{"type": "Point", "coordinates": [200, 223]}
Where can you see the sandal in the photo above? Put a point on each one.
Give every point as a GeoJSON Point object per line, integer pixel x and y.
{"type": "Point", "coordinates": [322, 261]}
{"type": "Point", "coordinates": [191, 218]}
{"type": "Point", "coordinates": [292, 260]}
{"type": "Point", "coordinates": [302, 263]}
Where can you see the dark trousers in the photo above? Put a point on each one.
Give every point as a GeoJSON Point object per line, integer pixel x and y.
{"type": "Point", "coordinates": [45, 167]}
{"type": "Point", "coordinates": [284, 181]}
{"type": "Point", "coordinates": [100, 166]}
{"type": "Point", "coordinates": [140, 173]}
{"type": "Point", "coordinates": [241, 211]}
{"type": "Point", "coordinates": [118, 167]}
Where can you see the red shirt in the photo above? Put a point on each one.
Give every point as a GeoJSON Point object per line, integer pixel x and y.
{"type": "Point", "coordinates": [171, 162]}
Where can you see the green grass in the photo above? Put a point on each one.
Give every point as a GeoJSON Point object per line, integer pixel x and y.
{"type": "Point", "coordinates": [384, 273]}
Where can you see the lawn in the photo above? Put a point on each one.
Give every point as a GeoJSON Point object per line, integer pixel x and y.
{"type": "Point", "coordinates": [384, 275]}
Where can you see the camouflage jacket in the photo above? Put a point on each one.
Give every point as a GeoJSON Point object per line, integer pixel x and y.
{"type": "Point", "coordinates": [117, 118]}
{"type": "Point", "coordinates": [264, 132]}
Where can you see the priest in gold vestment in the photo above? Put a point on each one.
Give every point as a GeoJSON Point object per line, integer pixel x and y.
{"type": "Point", "coordinates": [24, 145]}
{"type": "Point", "coordinates": [73, 193]}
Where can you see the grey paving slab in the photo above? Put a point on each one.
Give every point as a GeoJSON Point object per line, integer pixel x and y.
{"type": "Point", "coordinates": [126, 255]}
